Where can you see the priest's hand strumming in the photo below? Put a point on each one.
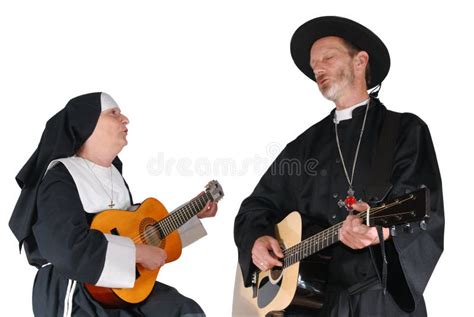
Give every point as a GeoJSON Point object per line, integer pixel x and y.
{"type": "Point", "coordinates": [357, 235]}
{"type": "Point", "coordinates": [265, 253]}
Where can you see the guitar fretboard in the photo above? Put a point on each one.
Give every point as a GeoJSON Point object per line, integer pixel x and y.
{"type": "Point", "coordinates": [329, 236]}
{"type": "Point", "coordinates": [181, 215]}
{"type": "Point", "coordinates": [311, 245]}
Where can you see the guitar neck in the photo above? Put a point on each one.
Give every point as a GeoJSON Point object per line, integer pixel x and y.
{"type": "Point", "coordinates": [311, 245]}
{"type": "Point", "coordinates": [325, 238]}
{"type": "Point", "coordinates": [181, 215]}
{"type": "Point", "coordinates": [406, 208]}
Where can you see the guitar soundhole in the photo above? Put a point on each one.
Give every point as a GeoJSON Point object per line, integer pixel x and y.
{"type": "Point", "coordinates": [149, 232]}
{"type": "Point", "coordinates": [275, 274]}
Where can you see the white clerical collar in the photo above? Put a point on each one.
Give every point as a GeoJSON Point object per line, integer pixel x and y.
{"type": "Point", "coordinates": [346, 114]}
{"type": "Point", "coordinates": [96, 185]}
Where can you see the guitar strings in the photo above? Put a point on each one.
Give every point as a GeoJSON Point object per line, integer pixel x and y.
{"type": "Point", "coordinates": [294, 250]}
{"type": "Point", "coordinates": [324, 235]}
{"type": "Point", "coordinates": [167, 223]}
{"type": "Point", "coordinates": [321, 236]}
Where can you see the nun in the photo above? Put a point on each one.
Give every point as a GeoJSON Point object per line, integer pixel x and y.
{"type": "Point", "coordinates": [74, 174]}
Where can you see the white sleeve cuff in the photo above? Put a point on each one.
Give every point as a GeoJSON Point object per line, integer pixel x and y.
{"type": "Point", "coordinates": [191, 231]}
{"type": "Point", "coordinates": [119, 266]}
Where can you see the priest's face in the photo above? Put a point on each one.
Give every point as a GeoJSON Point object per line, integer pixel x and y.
{"type": "Point", "coordinates": [332, 65]}
{"type": "Point", "coordinates": [111, 129]}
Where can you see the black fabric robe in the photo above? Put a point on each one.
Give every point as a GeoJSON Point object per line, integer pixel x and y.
{"type": "Point", "coordinates": [308, 176]}
{"type": "Point", "coordinates": [77, 253]}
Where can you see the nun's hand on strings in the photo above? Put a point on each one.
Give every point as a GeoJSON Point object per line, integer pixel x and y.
{"type": "Point", "coordinates": [150, 256]}
{"type": "Point", "coordinates": [266, 252]}
{"type": "Point", "coordinates": [357, 235]}
{"type": "Point", "coordinates": [209, 210]}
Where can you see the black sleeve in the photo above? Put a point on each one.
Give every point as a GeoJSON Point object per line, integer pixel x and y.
{"type": "Point", "coordinates": [62, 230]}
{"type": "Point", "coordinates": [268, 204]}
{"type": "Point", "coordinates": [413, 254]}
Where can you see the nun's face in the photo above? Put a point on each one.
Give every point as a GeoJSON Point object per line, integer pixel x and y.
{"type": "Point", "coordinates": [111, 129]}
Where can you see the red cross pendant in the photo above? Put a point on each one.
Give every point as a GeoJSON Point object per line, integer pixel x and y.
{"type": "Point", "coordinates": [349, 201]}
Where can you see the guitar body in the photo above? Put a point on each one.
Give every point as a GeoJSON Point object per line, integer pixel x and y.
{"type": "Point", "coordinates": [137, 226]}
{"type": "Point", "coordinates": [300, 284]}
{"type": "Point", "coordinates": [275, 289]}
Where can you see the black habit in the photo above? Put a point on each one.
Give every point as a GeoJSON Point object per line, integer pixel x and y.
{"type": "Point", "coordinates": [50, 221]}
{"type": "Point", "coordinates": [77, 253]}
{"type": "Point", "coordinates": [308, 176]}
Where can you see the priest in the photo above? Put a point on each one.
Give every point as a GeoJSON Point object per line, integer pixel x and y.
{"type": "Point", "coordinates": [359, 154]}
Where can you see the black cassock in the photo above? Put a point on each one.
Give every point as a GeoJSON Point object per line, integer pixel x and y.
{"type": "Point", "coordinates": [78, 254]}
{"type": "Point", "coordinates": [308, 176]}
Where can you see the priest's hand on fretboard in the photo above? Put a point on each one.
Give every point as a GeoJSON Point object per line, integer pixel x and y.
{"type": "Point", "coordinates": [357, 235]}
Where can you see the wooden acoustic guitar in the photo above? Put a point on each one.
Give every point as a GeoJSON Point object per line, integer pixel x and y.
{"type": "Point", "coordinates": [149, 224]}
{"type": "Point", "coordinates": [274, 290]}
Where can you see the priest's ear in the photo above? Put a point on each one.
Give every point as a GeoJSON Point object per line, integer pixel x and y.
{"type": "Point", "coordinates": [361, 60]}
{"type": "Point", "coordinates": [361, 65]}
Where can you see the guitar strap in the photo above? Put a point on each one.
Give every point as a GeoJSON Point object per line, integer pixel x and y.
{"type": "Point", "coordinates": [380, 174]}
{"type": "Point", "coordinates": [384, 259]}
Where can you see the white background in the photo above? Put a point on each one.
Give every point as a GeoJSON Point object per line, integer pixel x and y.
{"type": "Point", "coordinates": [213, 81]}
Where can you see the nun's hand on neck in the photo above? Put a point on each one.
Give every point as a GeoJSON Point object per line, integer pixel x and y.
{"type": "Point", "coordinates": [209, 210]}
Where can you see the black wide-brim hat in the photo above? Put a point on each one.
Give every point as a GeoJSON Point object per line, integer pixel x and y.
{"type": "Point", "coordinates": [355, 33]}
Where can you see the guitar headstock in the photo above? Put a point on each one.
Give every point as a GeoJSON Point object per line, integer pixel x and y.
{"type": "Point", "coordinates": [410, 207]}
{"type": "Point", "coordinates": [215, 189]}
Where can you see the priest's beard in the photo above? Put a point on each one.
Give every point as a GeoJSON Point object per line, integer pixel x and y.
{"type": "Point", "coordinates": [344, 79]}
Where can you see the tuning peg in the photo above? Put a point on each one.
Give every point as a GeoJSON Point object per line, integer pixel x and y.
{"type": "Point", "coordinates": [407, 228]}
{"type": "Point", "coordinates": [393, 231]}
{"type": "Point", "coordinates": [423, 225]}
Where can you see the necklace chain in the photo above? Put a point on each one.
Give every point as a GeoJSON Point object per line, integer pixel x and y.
{"type": "Point", "coordinates": [349, 180]}
{"type": "Point", "coordinates": [111, 196]}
